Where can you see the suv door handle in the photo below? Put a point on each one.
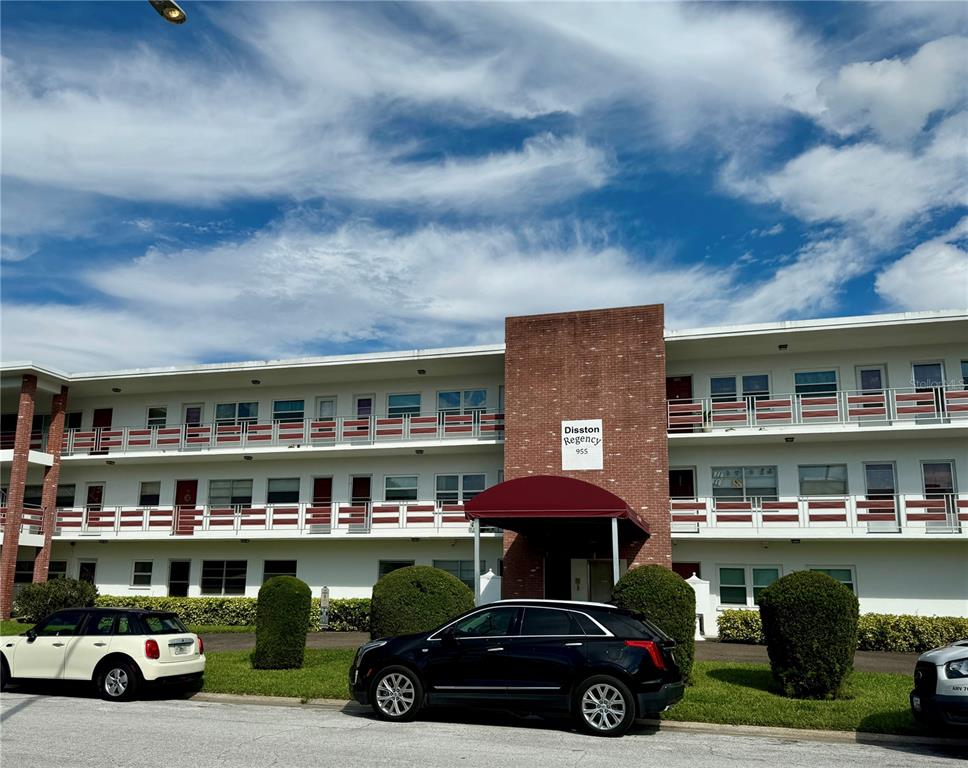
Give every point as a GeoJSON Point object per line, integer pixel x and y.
{"type": "Point", "coordinates": [57, 645]}
{"type": "Point", "coordinates": [573, 643]}
{"type": "Point", "coordinates": [497, 648]}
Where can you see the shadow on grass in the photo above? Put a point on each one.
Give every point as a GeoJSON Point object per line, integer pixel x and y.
{"type": "Point", "coordinates": [757, 679]}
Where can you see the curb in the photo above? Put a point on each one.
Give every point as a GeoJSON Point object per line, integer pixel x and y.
{"type": "Point", "coordinates": [789, 734]}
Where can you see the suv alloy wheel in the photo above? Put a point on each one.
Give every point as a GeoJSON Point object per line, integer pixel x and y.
{"type": "Point", "coordinates": [604, 706]}
{"type": "Point", "coordinates": [396, 694]}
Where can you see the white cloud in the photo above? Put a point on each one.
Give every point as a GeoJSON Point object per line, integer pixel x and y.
{"type": "Point", "coordinates": [932, 276]}
{"type": "Point", "coordinates": [895, 97]}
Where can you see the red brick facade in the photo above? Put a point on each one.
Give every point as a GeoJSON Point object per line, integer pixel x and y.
{"type": "Point", "coordinates": [15, 493]}
{"type": "Point", "coordinates": [607, 364]}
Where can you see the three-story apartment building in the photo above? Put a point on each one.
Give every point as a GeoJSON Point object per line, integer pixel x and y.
{"type": "Point", "coordinates": [736, 453]}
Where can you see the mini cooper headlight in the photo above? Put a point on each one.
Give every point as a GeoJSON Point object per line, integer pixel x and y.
{"type": "Point", "coordinates": [956, 668]}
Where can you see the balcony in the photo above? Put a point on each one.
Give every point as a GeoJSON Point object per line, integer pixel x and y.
{"type": "Point", "coordinates": [905, 515]}
{"type": "Point", "coordinates": [308, 433]}
{"type": "Point", "coordinates": [887, 408]}
{"type": "Point", "coordinates": [276, 521]}
{"type": "Point", "coordinates": [31, 533]}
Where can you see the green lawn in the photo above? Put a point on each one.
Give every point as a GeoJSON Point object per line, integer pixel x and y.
{"type": "Point", "coordinates": [323, 675]}
{"type": "Point", "coordinates": [11, 627]}
{"type": "Point", "coordinates": [744, 694]}
{"type": "Point", "coordinates": [739, 694]}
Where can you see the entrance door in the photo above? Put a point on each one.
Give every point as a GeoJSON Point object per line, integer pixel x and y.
{"type": "Point", "coordinates": [322, 491]}
{"type": "Point", "coordinates": [929, 377]}
{"type": "Point", "coordinates": [600, 581]}
{"type": "Point", "coordinates": [360, 489]}
{"type": "Point", "coordinates": [872, 380]}
{"type": "Point", "coordinates": [87, 571]}
{"type": "Point", "coordinates": [881, 483]}
{"type": "Point", "coordinates": [679, 388]}
{"type": "Point", "coordinates": [186, 493]}
{"type": "Point", "coordinates": [95, 497]}
{"type": "Point", "coordinates": [939, 483]}
{"type": "Point", "coordinates": [363, 405]}
{"type": "Point", "coordinates": [193, 414]}
{"type": "Point", "coordinates": [682, 483]}
{"type": "Point", "coordinates": [178, 577]}
{"type": "Point", "coordinates": [102, 420]}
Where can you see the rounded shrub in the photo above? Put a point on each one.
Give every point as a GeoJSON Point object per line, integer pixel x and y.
{"type": "Point", "coordinates": [416, 599]}
{"type": "Point", "coordinates": [37, 601]}
{"type": "Point", "coordinates": [810, 624]}
{"type": "Point", "coordinates": [666, 600]}
{"type": "Point", "coordinates": [281, 623]}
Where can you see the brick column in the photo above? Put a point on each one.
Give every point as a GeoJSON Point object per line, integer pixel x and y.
{"type": "Point", "coordinates": [15, 493]}
{"type": "Point", "coordinates": [55, 442]}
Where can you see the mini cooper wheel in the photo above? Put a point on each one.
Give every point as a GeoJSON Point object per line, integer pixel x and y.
{"type": "Point", "coordinates": [604, 706]}
{"type": "Point", "coordinates": [396, 694]}
{"type": "Point", "coordinates": [117, 681]}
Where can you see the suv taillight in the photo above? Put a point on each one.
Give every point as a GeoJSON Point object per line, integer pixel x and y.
{"type": "Point", "coordinates": [652, 649]}
{"type": "Point", "coordinates": [201, 645]}
{"type": "Point", "coordinates": [151, 649]}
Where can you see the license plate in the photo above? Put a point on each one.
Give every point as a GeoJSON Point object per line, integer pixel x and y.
{"type": "Point", "coordinates": [180, 650]}
{"type": "Point", "coordinates": [916, 703]}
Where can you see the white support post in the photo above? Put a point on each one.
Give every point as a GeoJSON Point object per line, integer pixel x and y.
{"type": "Point", "coordinates": [477, 562]}
{"type": "Point", "coordinates": [614, 551]}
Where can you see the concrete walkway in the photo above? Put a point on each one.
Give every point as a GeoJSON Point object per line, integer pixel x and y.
{"type": "Point", "coordinates": [866, 661]}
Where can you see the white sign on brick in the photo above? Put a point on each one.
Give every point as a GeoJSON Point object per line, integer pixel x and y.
{"type": "Point", "coordinates": [581, 444]}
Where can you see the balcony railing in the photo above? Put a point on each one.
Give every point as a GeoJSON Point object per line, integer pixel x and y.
{"type": "Point", "coordinates": [273, 520]}
{"type": "Point", "coordinates": [38, 440]}
{"type": "Point", "coordinates": [31, 521]}
{"type": "Point", "coordinates": [891, 406]}
{"type": "Point", "coordinates": [369, 430]}
{"type": "Point", "coordinates": [904, 513]}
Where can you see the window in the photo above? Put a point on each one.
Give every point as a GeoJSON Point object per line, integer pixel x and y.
{"type": "Point", "coordinates": [881, 484]}
{"type": "Point", "coordinates": [100, 625]}
{"type": "Point", "coordinates": [823, 480]}
{"type": "Point", "coordinates": [236, 413]}
{"type": "Point", "coordinates": [755, 385]}
{"type": "Point", "coordinates": [23, 572]}
{"type": "Point", "coordinates": [163, 624]}
{"type": "Point", "coordinates": [72, 420]}
{"type": "Point", "coordinates": [964, 373]}
{"type": "Point", "coordinates": [732, 586]}
{"type": "Point", "coordinates": [460, 569]}
{"type": "Point", "coordinates": [400, 488]}
{"type": "Point", "coordinates": [744, 483]}
{"type": "Point", "coordinates": [65, 495]}
{"type": "Point", "coordinates": [815, 382]}
{"type": "Point", "coordinates": [364, 406]}
{"type": "Point", "coordinates": [462, 401]}
{"type": "Point", "coordinates": [87, 571]}
{"type": "Point", "coordinates": [762, 578]}
{"type": "Point", "coordinates": [388, 566]}
{"type": "Point", "coordinates": [126, 626]}
{"type": "Point", "coordinates": [403, 405]}
{"type": "Point", "coordinates": [33, 495]}
{"type": "Point", "coordinates": [61, 624]}
{"type": "Point", "coordinates": [456, 489]}
{"type": "Point", "coordinates": [844, 575]}
{"type": "Point", "coordinates": [288, 410]}
{"type": "Point", "coordinates": [326, 408]}
{"type": "Point", "coordinates": [223, 577]}
{"type": "Point", "coordinates": [225, 493]}
{"type": "Point", "coordinates": [283, 490]}
{"type": "Point", "coordinates": [57, 569]}
{"type": "Point", "coordinates": [158, 416]}
{"type": "Point", "coordinates": [495, 622]}
{"type": "Point", "coordinates": [549, 621]}
{"type": "Point", "coordinates": [278, 568]}
{"type": "Point", "coordinates": [141, 574]}
{"type": "Point", "coordinates": [150, 494]}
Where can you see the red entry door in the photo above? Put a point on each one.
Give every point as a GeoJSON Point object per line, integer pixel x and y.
{"type": "Point", "coordinates": [95, 498]}
{"type": "Point", "coordinates": [679, 388]}
{"type": "Point", "coordinates": [360, 489]}
{"type": "Point", "coordinates": [102, 420]}
{"type": "Point", "coordinates": [186, 493]}
{"type": "Point", "coordinates": [322, 491]}
{"type": "Point", "coordinates": [682, 483]}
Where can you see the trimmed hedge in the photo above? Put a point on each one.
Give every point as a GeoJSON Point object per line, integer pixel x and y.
{"type": "Point", "coordinates": [416, 599]}
{"type": "Point", "coordinates": [667, 601]}
{"type": "Point", "coordinates": [345, 614]}
{"type": "Point", "coordinates": [810, 625]}
{"type": "Point", "coordinates": [38, 601]}
{"type": "Point", "coordinates": [875, 631]}
{"type": "Point", "coordinates": [281, 623]}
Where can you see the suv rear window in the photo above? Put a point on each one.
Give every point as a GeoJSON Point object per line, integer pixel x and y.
{"type": "Point", "coordinates": [629, 625]}
{"type": "Point", "coordinates": [163, 624]}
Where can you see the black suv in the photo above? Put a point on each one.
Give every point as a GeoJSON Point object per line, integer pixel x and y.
{"type": "Point", "coordinates": [603, 665]}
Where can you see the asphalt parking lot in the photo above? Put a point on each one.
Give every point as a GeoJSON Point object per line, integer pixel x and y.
{"type": "Point", "coordinates": [59, 729]}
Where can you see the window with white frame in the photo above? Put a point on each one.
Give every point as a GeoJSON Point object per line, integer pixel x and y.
{"type": "Point", "coordinates": [226, 493]}
{"type": "Point", "coordinates": [325, 407]}
{"type": "Point", "coordinates": [157, 416]}
{"type": "Point", "coordinates": [843, 574]}
{"type": "Point", "coordinates": [407, 404]}
{"type": "Point", "coordinates": [283, 490]}
{"type": "Point", "coordinates": [288, 410]}
{"type": "Point", "coordinates": [23, 572]}
{"type": "Point", "coordinates": [743, 584]}
{"type": "Point", "coordinates": [460, 569]}
{"type": "Point", "coordinates": [456, 489]}
{"type": "Point", "coordinates": [400, 488]}
{"type": "Point", "coordinates": [149, 494]}
{"type": "Point", "coordinates": [389, 566]}
{"type": "Point", "coordinates": [756, 482]}
{"type": "Point", "coordinates": [57, 569]}
{"type": "Point", "coordinates": [815, 382]}
{"type": "Point", "coordinates": [236, 413]}
{"type": "Point", "coordinates": [141, 573]}
{"type": "Point", "coordinates": [223, 577]}
{"type": "Point", "coordinates": [823, 479]}
{"type": "Point", "coordinates": [750, 385]}
{"type": "Point", "coordinates": [462, 401]}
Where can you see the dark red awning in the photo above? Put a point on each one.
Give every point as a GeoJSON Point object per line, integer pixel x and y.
{"type": "Point", "coordinates": [508, 504]}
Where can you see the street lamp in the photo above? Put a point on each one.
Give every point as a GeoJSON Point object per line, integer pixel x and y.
{"type": "Point", "coordinates": [169, 10]}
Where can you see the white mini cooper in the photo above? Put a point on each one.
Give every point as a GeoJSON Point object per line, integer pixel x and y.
{"type": "Point", "coordinates": [118, 649]}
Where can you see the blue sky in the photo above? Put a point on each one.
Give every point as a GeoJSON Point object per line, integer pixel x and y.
{"type": "Point", "coordinates": [287, 179]}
